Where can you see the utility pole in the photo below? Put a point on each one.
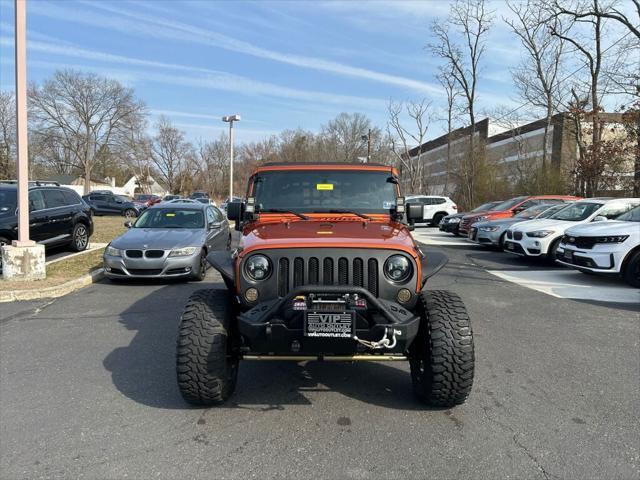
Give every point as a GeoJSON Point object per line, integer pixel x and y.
{"type": "Point", "coordinates": [230, 119]}
{"type": "Point", "coordinates": [367, 138]}
{"type": "Point", "coordinates": [23, 259]}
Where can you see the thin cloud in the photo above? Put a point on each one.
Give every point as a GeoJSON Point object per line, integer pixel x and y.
{"type": "Point", "coordinates": [187, 32]}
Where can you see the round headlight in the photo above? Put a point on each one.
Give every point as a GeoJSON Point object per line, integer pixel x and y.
{"type": "Point", "coordinates": [257, 267]}
{"type": "Point", "coordinates": [397, 268]}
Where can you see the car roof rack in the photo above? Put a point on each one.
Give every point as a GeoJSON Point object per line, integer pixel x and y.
{"type": "Point", "coordinates": [32, 183]}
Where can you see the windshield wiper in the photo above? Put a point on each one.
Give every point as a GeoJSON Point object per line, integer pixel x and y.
{"type": "Point", "coordinates": [352, 212]}
{"type": "Point", "coordinates": [277, 210]}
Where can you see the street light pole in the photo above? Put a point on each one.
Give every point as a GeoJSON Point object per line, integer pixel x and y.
{"type": "Point", "coordinates": [367, 138]}
{"type": "Point", "coordinates": [21, 124]}
{"type": "Point", "coordinates": [230, 119]}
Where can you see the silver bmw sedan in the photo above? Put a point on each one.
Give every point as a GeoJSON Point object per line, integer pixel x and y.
{"type": "Point", "coordinates": [168, 240]}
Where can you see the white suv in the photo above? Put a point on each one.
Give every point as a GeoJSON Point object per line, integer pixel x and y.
{"type": "Point", "coordinates": [606, 247]}
{"type": "Point", "coordinates": [435, 208]}
{"type": "Point", "coordinates": [541, 237]}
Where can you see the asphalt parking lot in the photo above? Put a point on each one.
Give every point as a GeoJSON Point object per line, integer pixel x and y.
{"type": "Point", "coordinates": [88, 390]}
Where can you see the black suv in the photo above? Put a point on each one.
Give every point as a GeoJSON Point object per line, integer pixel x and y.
{"type": "Point", "coordinates": [105, 202]}
{"type": "Point", "coordinates": [57, 216]}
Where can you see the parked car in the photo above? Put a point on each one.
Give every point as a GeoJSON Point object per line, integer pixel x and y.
{"type": "Point", "coordinates": [199, 194]}
{"type": "Point", "coordinates": [168, 241]}
{"type": "Point", "coordinates": [105, 202]}
{"type": "Point", "coordinates": [492, 233]}
{"type": "Point", "coordinates": [605, 247]}
{"type": "Point", "coordinates": [451, 223]}
{"type": "Point", "coordinates": [168, 198]}
{"type": "Point", "coordinates": [510, 207]}
{"type": "Point", "coordinates": [57, 216]}
{"type": "Point", "coordinates": [146, 201]}
{"type": "Point", "coordinates": [435, 208]}
{"type": "Point", "coordinates": [223, 205]}
{"type": "Point", "coordinates": [541, 237]}
{"type": "Point", "coordinates": [325, 270]}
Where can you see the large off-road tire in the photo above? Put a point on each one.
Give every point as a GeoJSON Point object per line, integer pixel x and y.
{"type": "Point", "coordinates": [442, 357]}
{"type": "Point", "coordinates": [206, 357]}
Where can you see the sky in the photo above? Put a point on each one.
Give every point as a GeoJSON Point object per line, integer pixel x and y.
{"type": "Point", "coordinates": [279, 64]}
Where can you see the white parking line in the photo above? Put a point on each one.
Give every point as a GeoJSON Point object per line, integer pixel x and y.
{"type": "Point", "coordinates": [433, 236]}
{"type": "Point", "coordinates": [572, 285]}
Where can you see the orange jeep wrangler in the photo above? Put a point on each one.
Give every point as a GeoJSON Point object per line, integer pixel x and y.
{"type": "Point", "coordinates": [326, 269]}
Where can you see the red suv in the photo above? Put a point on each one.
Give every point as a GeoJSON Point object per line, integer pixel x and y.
{"type": "Point", "coordinates": [510, 207]}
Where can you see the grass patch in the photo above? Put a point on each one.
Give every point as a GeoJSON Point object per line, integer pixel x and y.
{"type": "Point", "coordinates": [105, 229]}
{"type": "Point", "coordinates": [61, 272]}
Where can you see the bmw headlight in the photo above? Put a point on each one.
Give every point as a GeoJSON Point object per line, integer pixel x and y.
{"type": "Point", "coordinates": [183, 252]}
{"type": "Point", "coordinates": [454, 220]}
{"type": "Point", "coordinates": [257, 267]}
{"type": "Point", "coordinates": [113, 252]}
{"type": "Point", "coordinates": [397, 268]}
{"type": "Point", "coordinates": [488, 229]}
{"type": "Point", "coordinates": [539, 233]}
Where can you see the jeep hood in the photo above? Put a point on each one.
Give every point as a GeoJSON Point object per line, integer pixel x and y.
{"type": "Point", "coordinates": [318, 234]}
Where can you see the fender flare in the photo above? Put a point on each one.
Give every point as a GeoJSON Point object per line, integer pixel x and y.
{"type": "Point", "coordinates": [432, 263]}
{"type": "Point", "coordinates": [222, 261]}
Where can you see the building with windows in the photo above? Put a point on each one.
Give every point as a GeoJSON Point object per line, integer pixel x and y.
{"type": "Point", "coordinates": [512, 152]}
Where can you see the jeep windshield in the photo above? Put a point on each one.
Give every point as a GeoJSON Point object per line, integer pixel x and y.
{"type": "Point", "coordinates": [309, 191]}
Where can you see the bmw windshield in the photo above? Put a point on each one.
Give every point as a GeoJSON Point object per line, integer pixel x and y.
{"type": "Point", "coordinates": [319, 191]}
{"type": "Point", "coordinates": [170, 218]}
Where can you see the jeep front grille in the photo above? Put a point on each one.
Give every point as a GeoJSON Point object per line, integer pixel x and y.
{"type": "Point", "coordinates": [327, 271]}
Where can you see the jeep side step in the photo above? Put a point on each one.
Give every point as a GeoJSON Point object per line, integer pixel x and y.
{"type": "Point", "coordinates": [328, 358]}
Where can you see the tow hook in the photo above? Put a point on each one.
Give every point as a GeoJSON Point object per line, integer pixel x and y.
{"type": "Point", "coordinates": [384, 342]}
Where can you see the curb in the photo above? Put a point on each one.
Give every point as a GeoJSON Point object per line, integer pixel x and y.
{"type": "Point", "coordinates": [55, 291]}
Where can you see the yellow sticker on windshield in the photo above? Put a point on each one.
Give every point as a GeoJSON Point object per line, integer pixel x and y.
{"type": "Point", "coordinates": [171, 215]}
{"type": "Point", "coordinates": [324, 186]}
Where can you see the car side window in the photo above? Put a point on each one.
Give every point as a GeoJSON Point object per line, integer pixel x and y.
{"type": "Point", "coordinates": [211, 218]}
{"type": "Point", "coordinates": [218, 214]}
{"type": "Point", "coordinates": [54, 198]}
{"type": "Point", "coordinates": [99, 198]}
{"type": "Point", "coordinates": [36, 201]}
{"type": "Point", "coordinates": [438, 201]}
{"type": "Point", "coordinates": [613, 211]}
{"type": "Point", "coordinates": [70, 197]}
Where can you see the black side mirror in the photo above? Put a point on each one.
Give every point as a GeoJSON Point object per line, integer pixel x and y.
{"type": "Point", "coordinates": [235, 212]}
{"type": "Point", "coordinates": [414, 212]}
{"type": "Point", "coordinates": [128, 224]}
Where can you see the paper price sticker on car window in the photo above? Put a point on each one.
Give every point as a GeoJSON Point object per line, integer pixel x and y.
{"type": "Point", "coordinates": [171, 215]}
{"type": "Point", "coordinates": [324, 186]}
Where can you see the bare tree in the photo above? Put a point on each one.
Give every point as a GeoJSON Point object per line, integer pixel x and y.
{"type": "Point", "coordinates": [7, 133]}
{"type": "Point", "coordinates": [470, 20]}
{"type": "Point", "coordinates": [568, 24]}
{"type": "Point", "coordinates": [83, 113]}
{"type": "Point", "coordinates": [538, 77]}
{"type": "Point", "coordinates": [343, 135]}
{"type": "Point", "coordinates": [169, 153]}
{"type": "Point", "coordinates": [406, 141]}
{"type": "Point", "coordinates": [448, 82]}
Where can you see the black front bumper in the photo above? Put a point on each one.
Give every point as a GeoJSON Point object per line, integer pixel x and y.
{"type": "Point", "coordinates": [274, 328]}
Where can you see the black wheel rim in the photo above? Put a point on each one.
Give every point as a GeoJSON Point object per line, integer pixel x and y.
{"type": "Point", "coordinates": [128, 213]}
{"type": "Point", "coordinates": [81, 238]}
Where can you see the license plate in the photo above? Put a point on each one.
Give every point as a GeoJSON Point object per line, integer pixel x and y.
{"type": "Point", "coordinates": [329, 324]}
{"type": "Point", "coordinates": [510, 246]}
